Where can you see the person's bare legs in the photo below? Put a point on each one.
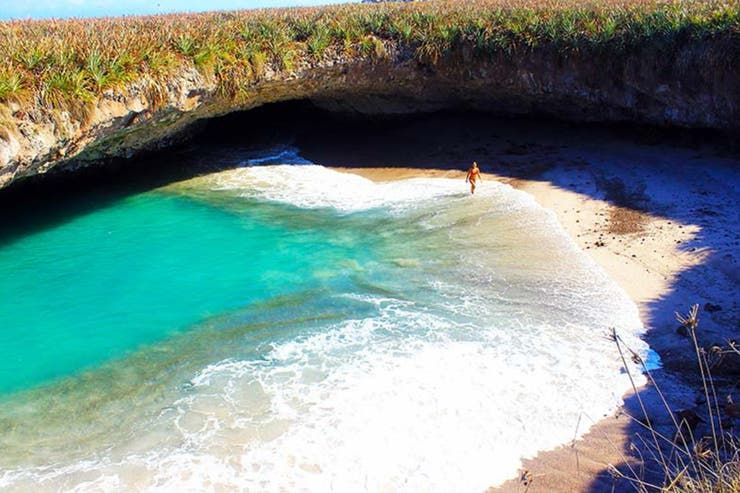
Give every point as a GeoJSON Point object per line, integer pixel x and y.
{"type": "Point", "coordinates": [472, 187]}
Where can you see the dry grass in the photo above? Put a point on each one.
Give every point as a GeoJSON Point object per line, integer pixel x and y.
{"type": "Point", "coordinates": [68, 64]}
{"type": "Point", "coordinates": [690, 461]}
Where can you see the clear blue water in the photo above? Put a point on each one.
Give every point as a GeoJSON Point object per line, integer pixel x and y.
{"type": "Point", "coordinates": [134, 272]}
{"type": "Point", "coordinates": [297, 328]}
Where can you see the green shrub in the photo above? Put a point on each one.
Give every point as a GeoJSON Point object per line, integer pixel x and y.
{"type": "Point", "coordinates": [319, 41]}
{"type": "Point", "coordinates": [372, 47]}
{"type": "Point", "coordinates": [12, 86]}
{"type": "Point", "coordinates": [186, 45]}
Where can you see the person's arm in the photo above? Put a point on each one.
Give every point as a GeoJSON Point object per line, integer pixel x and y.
{"type": "Point", "coordinates": [467, 177]}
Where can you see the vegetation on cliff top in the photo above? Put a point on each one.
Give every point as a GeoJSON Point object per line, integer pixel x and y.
{"type": "Point", "coordinates": [67, 64]}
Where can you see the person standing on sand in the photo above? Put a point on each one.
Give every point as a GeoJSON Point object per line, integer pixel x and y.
{"type": "Point", "coordinates": [473, 176]}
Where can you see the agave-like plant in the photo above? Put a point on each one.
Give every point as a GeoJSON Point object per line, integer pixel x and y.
{"type": "Point", "coordinates": [69, 63]}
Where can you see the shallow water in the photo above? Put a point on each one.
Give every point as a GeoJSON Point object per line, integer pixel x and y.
{"type": "Point", "coordinates": [326, 334]}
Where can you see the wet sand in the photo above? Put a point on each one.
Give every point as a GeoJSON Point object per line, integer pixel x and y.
{"type": "Point", "coordinates": [662, 249]}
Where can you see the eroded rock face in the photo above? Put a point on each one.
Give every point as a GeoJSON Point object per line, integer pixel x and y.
{"type": "Point", "coordinates": [696, 87]}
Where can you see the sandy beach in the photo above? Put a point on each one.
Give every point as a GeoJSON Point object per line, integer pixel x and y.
{"type": "Point", "coordinates": [665, 232]}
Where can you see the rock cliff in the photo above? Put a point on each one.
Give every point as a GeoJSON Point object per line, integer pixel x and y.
{"type": "Point", "coordinates": [685, 89]}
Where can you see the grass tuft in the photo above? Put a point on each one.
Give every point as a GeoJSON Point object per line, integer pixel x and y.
{"type": "Point", "coordinates": [12, 87]}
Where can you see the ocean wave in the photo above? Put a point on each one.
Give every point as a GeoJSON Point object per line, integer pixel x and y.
{"type": "Point", "coordinates": [313, 186]}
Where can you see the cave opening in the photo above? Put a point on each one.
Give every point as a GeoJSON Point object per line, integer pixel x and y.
{"type": "Point", "coordinates": [515, 147]}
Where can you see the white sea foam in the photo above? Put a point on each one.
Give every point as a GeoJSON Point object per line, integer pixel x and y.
{"type": "Point", "coordinates": [506, 362]}
{"type": "Point", "coordinates": [354, 409]}
{"type": "Point", "coordinates": [311, 186]}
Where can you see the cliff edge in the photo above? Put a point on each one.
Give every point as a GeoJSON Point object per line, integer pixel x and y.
{"type": "Point", "coordinates": [64, 113]}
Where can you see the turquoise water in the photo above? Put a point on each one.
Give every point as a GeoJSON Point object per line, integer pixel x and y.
{"type": "Point", "coordinates": [327, 334]}
{"type": "Point", "coordinates": [139, 270]}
